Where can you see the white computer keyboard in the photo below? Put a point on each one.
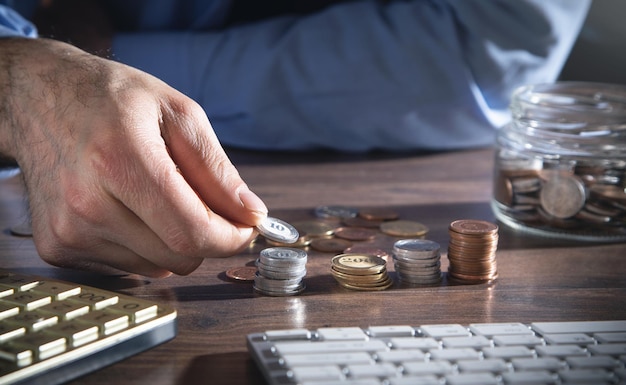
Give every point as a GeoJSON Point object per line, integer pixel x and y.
{"type": "Point", "coordinates": [53, 331]}
{"type": "Point", "coordinates": [450, 354]}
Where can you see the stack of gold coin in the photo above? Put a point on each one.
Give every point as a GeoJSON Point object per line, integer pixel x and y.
{"type": "Point", "coordinates": [417, 261]}
{"type": "Point", "coordinates": [361, 272]}
{"type": "Point", "coordinates": [472, 251]}
{"type": "Point", "coordinates": [280, 271]}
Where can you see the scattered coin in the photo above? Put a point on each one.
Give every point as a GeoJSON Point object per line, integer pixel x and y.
{"type": "Point", "coordinates": [330, 245]}
{"type": "Point", "coordinates": [563, 196]}
{"type": "Point", "coordinates": [336, 212]}
{"type": "Point", "coordinates": [404, 228]}
{"type": "Point", "coordinates": [355, 233]}
{"type": "Point", "coordinates": [242, 273]}
{"type": "Point", "coordinates": [378, 214]}
{"type": "Point", "coordinates": [278, 230]}
{"type": "Point", "coordinates": [315, 229]}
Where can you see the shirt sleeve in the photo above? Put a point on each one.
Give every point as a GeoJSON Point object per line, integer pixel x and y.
{"type": "Point", "coordinates": [12, 24]}
{"type": "Point", "coordinates": [365, 75]}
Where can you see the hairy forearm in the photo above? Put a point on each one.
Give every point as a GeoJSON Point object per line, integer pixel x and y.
{"type": "Point", "coordinates": [35, 75]}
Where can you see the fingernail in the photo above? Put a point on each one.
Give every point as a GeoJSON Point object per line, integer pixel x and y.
{"type": "Point", "coordinates": [252, 202]}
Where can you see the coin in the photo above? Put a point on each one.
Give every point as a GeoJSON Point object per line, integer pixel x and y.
{"type": "Point", "coordinates": [330, 245]}
{"type": "Point", "coordinates": [358, 264]}
{"type": "Point", "coordinates": [472, 250]}
{"type": "Point", "coordinates": [473, 227]}
{"type": "Point", "coordinates": [278, 230]}
{"type": "Point", "coordinates": [562, 196]}
{"type": "Point", "coordinates": [361, 222]}
{"type": "Point", "coordinates": [378, 214]}
{"type": "Point", "coordinates": [241, 273]}
{"type": "Point", "coordinates": [315, 228]}
{"type": "Point", "coordinates": [336, 212]}
{"type": "Point", "coordinates": [355, 233]}
{"type": "Point", "coordinates": [404, 228]}
{"type": "Point", "coordinates": [280, 271]}
{"type": "Point", "coordinates": [362, 248]}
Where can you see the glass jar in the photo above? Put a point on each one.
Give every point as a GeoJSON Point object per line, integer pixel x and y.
{"type": "Point", "coordinates": [560, 164]}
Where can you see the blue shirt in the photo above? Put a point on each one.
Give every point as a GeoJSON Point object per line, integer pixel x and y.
{"type": "Point", "coordinates": [356, 75]}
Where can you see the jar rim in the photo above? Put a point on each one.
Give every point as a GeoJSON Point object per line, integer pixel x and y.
{"type": "Point", "coordinates": [578, 118]}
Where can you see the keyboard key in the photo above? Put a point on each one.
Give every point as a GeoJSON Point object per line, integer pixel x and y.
{"type": "Point", "coordinates": [507, 352]}
{"type": "Point", "coordinates": [560, 350]}
{"type": "Point", "coordinates": [97, 299]}
{"type": "Point", "coordinates": [590, 376]}
{"type": "Point", "coordinates": [500, 329]}
{"type": "Point", "coordinates": [28, 300]}
{"type": "Point", "coordinates": [138, 311]}
{"type": "Point", "coordinates": [390, 331]}
{"type": "Point", "coordinates": [475, 342]}
{"type": "Point", "coordinates": [404, 355]}
{"type": "Point", "coordinates": [440, 331]}
{"type": "Point", "coordinates": [371, 371]}
{"type": "Point", "coordinates": [492, 365]}
{"type": "Point", "coordinates": [453, 354]}
{"type": "Point", "coordinates": [318, 373]}
{"type": "Point", "coordinates": [5, 290]}
{"type": "Point", "coordinates": [329, 347]}
{"type": "Point", "coordinates": [528, 340]}
{"type": "Point", "coordinates": [75, 332]}
{"type": "Point", "coordinates": [9, 331]}
{"type": "Point", "coordinates": [579, 327]}
{"type": "Point", "coordinates": [614, 350]}
{"type": "Point", "coordinates": [526, 378]}
{"type": "Point", "coordinates": [471, 379]}
{"type": "Point", "coordinates": [107, 321]}
{"type": "Point", "coordinates": [326, 359]}
{"type": "Point", "coordinates": [66, 310]}
{"type": "Point", "coordinates": [57, 290]}
{"type": "Point", "coordinates": [43, 345]}
{"type": "Point", "coordinates": [415, 380]}
{"type": "Point", "coordinates": [8, 310]}
{"type": "Point", "coordinates": [19, 282]}
{"type": "Point", "coordinates": [423, 344]}
{"type": "Point", "coordinates": [540, 363]}
{"type": "Point", "coordinates": [287, 335]}
{"type": "Point", "coordinates": [604, 362]}
{"type": "Point", "coordinates": [569, 339]}
{"type": "Point", "coordinates": [341, 334]}
{"type": "Point", "coordinates": [34, 320]}
{"type": "Point", "coordinates": [612, 338]}
{"type": "Point", "coordinates": [437, 368]}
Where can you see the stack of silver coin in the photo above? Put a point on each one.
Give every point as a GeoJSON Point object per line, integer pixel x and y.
{"type": "Point", "coordinates": [417, 261]}
{"type": "Point", "coordinates": [280, 271]}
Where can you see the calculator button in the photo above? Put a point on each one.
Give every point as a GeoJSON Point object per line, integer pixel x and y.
{"type": "Point", "coordinates": [8, 310]}
{"type": "Point", "coordinates": [77, 333]}
{"type": "Point", "coordinates": [28, 300]}
{"type": "Point", "coordinates": [97, 299]}
{"type": "Point", "coordinates": [57, 290]}
{"type": "Point", "coordinates": [109, 322]}
{"type": "Point", "coordinates": [137, 310]}
{"type": "Point", "coordinates": [18, 282]}
{"type": "Point", "coordinates": [34, 320]}
{"type": "Point", "coordinates": [66, 310]}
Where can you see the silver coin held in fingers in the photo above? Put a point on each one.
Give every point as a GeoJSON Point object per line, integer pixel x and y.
{"type": "Point", "coordinates": [278, 230]}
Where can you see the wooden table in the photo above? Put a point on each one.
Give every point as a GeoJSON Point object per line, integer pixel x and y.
{"type": "Point", "coordinates": [539, 278]}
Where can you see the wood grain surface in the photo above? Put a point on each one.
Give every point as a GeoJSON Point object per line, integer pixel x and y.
{"type": "Point", "coordinates": [540, 279]}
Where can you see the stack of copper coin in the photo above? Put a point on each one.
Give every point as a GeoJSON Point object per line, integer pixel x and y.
{"type": "Point", "coordinates": [280, 271]}
{"type": "Point", "coordinates": [472, 251]}
{"type": "Point", "coordinates": [361, 272]}
{"type": "Point", "coordinates": [417, 261]}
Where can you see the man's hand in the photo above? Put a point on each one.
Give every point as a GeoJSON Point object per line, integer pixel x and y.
{"type": "Point", "coordinates": [122, 170]}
